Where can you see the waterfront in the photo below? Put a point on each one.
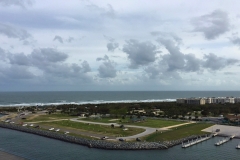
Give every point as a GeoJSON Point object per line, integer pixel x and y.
{"type": "Point", "coordinates": [35, 147]}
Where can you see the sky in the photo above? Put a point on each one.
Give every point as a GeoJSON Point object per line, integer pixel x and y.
{"type": "Point", "coordinates": [119, 45]}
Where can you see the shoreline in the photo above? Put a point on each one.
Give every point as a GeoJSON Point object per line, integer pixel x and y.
{"type": "Point", "coordinates": [88, 103]}
{"type": "Point", "coordinates": [99, 144]}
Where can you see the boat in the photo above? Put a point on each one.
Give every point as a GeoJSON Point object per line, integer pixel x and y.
{"type": "Point", "coordinates": [238, 146]}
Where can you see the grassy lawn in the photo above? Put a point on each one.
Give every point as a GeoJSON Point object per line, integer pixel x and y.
{"type": "Point", "coordinates": [103, 129]}
{"type": "Point", "coordinates": [47, 117]}
{"type": "Point", "coordinates": [179, 132]}
{"type": "Point", "coordinates": [156, 123]}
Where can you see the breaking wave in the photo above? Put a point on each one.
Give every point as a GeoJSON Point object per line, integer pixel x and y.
{"type": "Point", "coordinates": [62, 102]}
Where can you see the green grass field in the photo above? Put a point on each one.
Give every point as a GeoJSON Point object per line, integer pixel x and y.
{"type": "Point", "coordinates": [179, 132]}
{"type": "Point", "coordinates": [103, 129]}
{"type": "Point", "coordinates": [48, 117]}
{"type": "Point", "coordinates": [154, 123]}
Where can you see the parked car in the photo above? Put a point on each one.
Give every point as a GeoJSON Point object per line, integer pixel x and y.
{"type": "Point", "coordinates": [103, 138]}
{"type": "Point", "coordinates": [120, 139]}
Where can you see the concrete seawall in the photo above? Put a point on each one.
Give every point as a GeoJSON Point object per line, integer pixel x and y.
{"type": "Point", "coordinates": [101, 144]}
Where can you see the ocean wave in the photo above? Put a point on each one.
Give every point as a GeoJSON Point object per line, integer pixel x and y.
{"type": "Point", "coordinates": [62, 102]}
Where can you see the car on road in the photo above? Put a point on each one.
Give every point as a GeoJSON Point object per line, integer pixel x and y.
{"type": "Point", "coordinates": [120, 139]}
{"type": "Point", "coordinates": [103, 138]}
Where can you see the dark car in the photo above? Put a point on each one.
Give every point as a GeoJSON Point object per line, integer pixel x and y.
{"type": "Point", "coordinates": [138, 139]}
{"type": "Point", "coordinates": [36, 126]}
{"type": "Point", "coordinates": [217, 130]}
{"type": "Point", "coordinates": [120, 139]}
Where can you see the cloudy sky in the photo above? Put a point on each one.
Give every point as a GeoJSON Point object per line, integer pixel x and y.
{"type": "Point", "coordinates": [88, 45]}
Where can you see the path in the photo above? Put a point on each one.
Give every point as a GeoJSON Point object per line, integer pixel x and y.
{"type": "Point", "coordinates": [166, 128]}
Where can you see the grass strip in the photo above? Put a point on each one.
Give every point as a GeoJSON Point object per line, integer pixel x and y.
{"type": "Point", "coordinates": [179, 132]}
{"type": "Point", "coordinates": [103, 129]}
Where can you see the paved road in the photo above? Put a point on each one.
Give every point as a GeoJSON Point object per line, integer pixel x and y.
{"type": "Point", "coordinates": [224, 130]}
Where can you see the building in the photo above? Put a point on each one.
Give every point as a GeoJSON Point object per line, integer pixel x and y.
{"type": "Point", "coordinates": [181, 100]}
{"type": "Point", "coordinates": [237, 100]}
{"type": "Point", "coordinates": [209, 100]}
{"type": "Point", "coordinates": [197, 101]}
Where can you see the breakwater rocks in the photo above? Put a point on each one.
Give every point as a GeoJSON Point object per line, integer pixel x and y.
{"type": "Point", "coordinates": [101, 144]}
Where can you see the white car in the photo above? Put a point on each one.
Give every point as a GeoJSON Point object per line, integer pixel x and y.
{"type": "Point", "coordinates": [57, 130]}
{"type": "Point", "coordinates": [31, 125]}
{"type": "Point", "coordinates": [103, 138]}
{"type": "Point", "coordinates": [24, 125]}
{"type": "Point", "coordinates": [66, 132]}
{"type": "Point", "coordinates": [51, 129]}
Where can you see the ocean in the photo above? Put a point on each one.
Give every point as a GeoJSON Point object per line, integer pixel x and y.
{"type": "Point", "coordinates": [96, 97]}
{"type": "Point", "coordinates": [34, 147]}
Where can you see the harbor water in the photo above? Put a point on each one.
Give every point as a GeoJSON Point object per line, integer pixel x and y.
{"type": "Point", "coordinates": [34, 147]}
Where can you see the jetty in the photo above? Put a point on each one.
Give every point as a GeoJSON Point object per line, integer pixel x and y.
{"type": "Point", "coordinates": [224, 140]}
{"type": "Point", "coordinates": [196, 141]}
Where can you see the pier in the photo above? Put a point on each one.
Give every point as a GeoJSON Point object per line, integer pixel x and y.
{"type": "Point", "coordinates": [196, 141]}
{"type": "Point", "coordinates": [224, 140]}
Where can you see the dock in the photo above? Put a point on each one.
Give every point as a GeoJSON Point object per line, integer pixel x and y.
{"type": "Point", "coordinates": [196, 141]}
{"type": "Point", "coordinates": [224, 140]}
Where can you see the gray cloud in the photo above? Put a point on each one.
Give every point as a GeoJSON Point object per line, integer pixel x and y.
{"type": "Point", "coordinates": [235, 40]}
{"type": "Point", "coordinates": [70, 39]}
{"type": "Point", "coordinates": [12, 32]}
{"type": "Point", "coordinates": [106, 69]}
{"type": "Point", "coordinates": [212, 25]}
{"type": "Point", "coordinates": [19, 59]}
{"type": "Point", "coordinates": [167, 35]}
{"type": "Point", "coordinates": [105, 12]}
{"type": "Point", "coordinates": [140, 53]}
{"type": "Point", "coordinates": [47, 56]}
{"type": "Point", "coordinates": [230, 73]}
{"type": "Point", "coordinates": [175, 59]}
{"type": "Point", "coordinates": [112, 46]}
{"type": "Point", "coordinates": [17, 72]}
{"type": "Point", "coordinates": [48, 64]}
{"type": "Point", "coordinates": [176, 62]}
{"type": "Point", "coordinates": [21, 3]}
{"type": "Point", "coordinates": [58, 38]}
{"type": "Point", "coordinates": [3, 54]}
{"type": "Point", "coordinates": [85, 67]}
{"type": "Point", "coordinates": [214, 62]}
{"type": "Point", "coordinates": [192, 64]}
